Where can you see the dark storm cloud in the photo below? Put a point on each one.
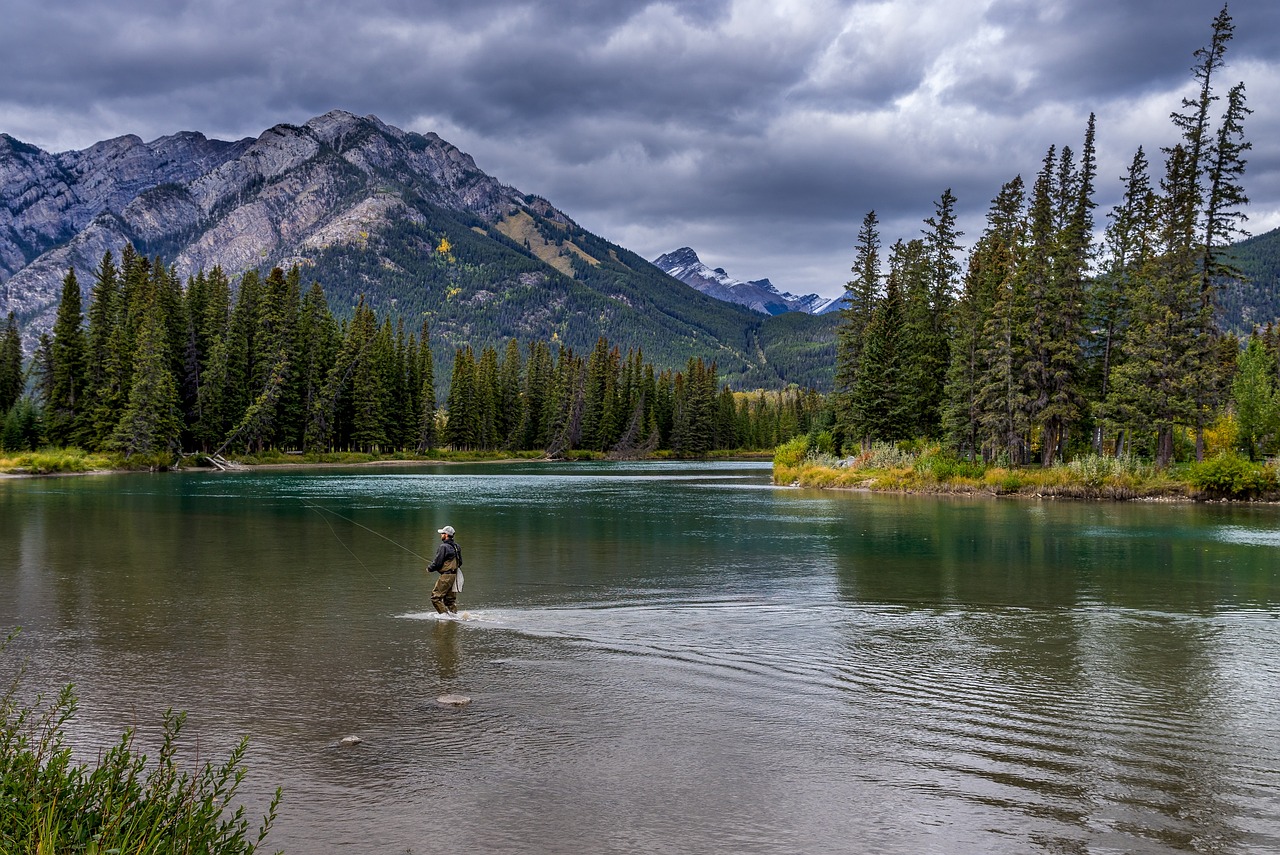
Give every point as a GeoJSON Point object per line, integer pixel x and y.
{"type": "Point", "coordinates": [757, 131]}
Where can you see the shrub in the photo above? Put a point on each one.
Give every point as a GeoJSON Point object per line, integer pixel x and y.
{"type": "Point", "coordinates": [946, 466]}
{"type": "Point", "coordinates": [1096, 470]}
{"type": "Point", "coordinates": [49, 803]}
{"type": "Point", "coordinates": [1229, 476]}
{"type": "Point", "coordinates": [790, 453]}
{"type": "Point", "coordinates": [884, 455]}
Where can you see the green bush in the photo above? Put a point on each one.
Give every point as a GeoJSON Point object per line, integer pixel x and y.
{"type": "Point", "coordinates": [123, 804]}
{"type": "Point", "coordinates": [792, 452]}
{"type": "Point", "coordinates": [1229, 476]}
{"type": "Point", "coordinates": [945, 466]}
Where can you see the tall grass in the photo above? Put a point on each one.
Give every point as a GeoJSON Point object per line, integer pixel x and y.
{"type": "Point", "coordinates": [121, 805]}
{"type": "Point", "coordinates": [930, 468]}
{"type": "Point", "coordinates": [49, 461]}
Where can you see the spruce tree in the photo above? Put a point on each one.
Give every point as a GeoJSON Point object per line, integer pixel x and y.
{"type": "Point", "coordinates": [1128, 245]}
{"type": "Point", "coordinates": [152, 421]}
{"type": "Point", "coordinates": [855, 315]}
{"type": "Point", "coordinates": [66, 404]}
{"type": "Point", "coordinates": [991, 264]}
{"type": "Point", "coordinates": [11, 381]}
{"type": "Point", "coordinates": [462, 425]}
{"type": "Point", "coordinates": [878, 406]}
{"type": "Point", "coordinates": [427, 437]}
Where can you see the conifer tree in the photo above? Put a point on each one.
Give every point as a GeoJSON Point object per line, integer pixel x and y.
{"type": "Point", "coordinates": [486, 398]}
{"type": "Point", "coordinates": [538, 382]}
{"type": "Point", "coordinates": [318, 344]}
{"type": "Point", "coordinates": [1128, 246]}
{"type": "Point", "coordinates": [510, 406]}
{"type": "Point", "coordinates": [1000, 398]}
{"type": "Point", "coordinates": [991, 264]}
{"type": "Point", "coordinates": [11, 381]}
{"type": "Point", "coordinates": [878, 406]}
{"type": "Point", "coordinates": [920, 373]}
{"type": "Point", "coordinates": [859, 302]}
{"type": "Point", "coordinates": [105, 364]}
{"type": "Point", "coordinates": [427, 436]}
{"type": "Point", "coordinates": [369, 393]}
{"type": "Point", "coordinates": [462, 427]}
{"type": "Point", "coordinates": [152, 421]}
{"type": "Point", "coordinates": [66, 404]}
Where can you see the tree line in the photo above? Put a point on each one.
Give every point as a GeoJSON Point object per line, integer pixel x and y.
{"type": "Point", "coordinates": [159, 367]}
{"type": "Point", "coordinates": [1046, 344]}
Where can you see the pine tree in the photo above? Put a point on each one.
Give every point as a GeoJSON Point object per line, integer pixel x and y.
{"type": "Point", "coordinates": [427, 436]}
{"type": "Point", "coordinates": [151, 422]}
{"type": "Point", "coordinates": [1001, 400]}
{"type": "Point", "coordinates": [369, 393]}
{"type": "Point", "coordinates": [462, 427]}
{"type": "Point", "coordinates": [66, 404]}
{"type": "Point", "coordinates": [920, 373]}
{"type": "Point", "coordinates": [538, 381]}
{"type": "Point", "coordinates": [110, 357]}
{"type": "Point", "coordinates": [1128, 245]}
{"type": "Point", "coordinates": [877, 404]}
{"type": "Point", "coordinates": [11, 381]}
{"type": "Point", "coordinates": [991, 265]}
{"type": "Point", "coordinates": [859, 303]}
{"type": "Point", "coordinates": [318, 344]}
{"type": "Point", "coordinates": [486, 399]}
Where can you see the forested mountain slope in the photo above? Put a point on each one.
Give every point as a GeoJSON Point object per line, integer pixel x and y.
{"type": "Point", "coordinates": [1256, 300]}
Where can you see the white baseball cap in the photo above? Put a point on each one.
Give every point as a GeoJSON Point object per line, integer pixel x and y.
{"type": "Point", "coordinates": [446, 530]}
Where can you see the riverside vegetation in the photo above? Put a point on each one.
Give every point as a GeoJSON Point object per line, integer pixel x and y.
{"type": "Point", "coordinates": [933, 469]}
{"type": "Point", "coordinates": [122, 803]}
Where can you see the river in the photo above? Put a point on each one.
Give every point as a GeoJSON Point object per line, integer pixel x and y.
{"type": "Point", "coordinates": [669, 657]}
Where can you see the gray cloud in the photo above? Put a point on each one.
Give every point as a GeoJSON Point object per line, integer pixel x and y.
{"type": "Point", "coordinates": [757, 131]}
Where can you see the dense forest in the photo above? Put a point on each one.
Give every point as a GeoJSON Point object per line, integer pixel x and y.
{"type": "Point", "coordinates": [1046, 345]}
{"type": "Point", "coordinates": [160, 367]}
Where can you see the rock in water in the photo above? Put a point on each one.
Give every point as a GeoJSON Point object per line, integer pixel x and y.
{"type": "Point", "coordinates": [453, 700]}
{"type": "Point", "coordinates": [351, 740]}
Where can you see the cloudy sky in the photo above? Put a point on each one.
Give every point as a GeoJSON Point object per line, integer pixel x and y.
{"type": "Point", "coordinates": [759, 132]}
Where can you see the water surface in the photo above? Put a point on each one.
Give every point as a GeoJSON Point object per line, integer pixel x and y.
{"type": "Point", "coordinates": [671, 657]}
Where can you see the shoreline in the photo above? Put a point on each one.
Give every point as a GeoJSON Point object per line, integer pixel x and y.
{"type": "Point", "coordinates": [238, 466]}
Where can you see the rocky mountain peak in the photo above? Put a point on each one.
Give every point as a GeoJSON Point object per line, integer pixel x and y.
{"type": "Point", "coordinates": [278, 198]}
{"type": "Point", "coordinates": [759, 294]}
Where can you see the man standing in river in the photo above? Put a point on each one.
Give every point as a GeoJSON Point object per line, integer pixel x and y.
{"type": "Point", "coordinates": [447, 562]}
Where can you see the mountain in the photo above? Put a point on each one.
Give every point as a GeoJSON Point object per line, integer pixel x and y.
{"type": "Point", "coordinates": [759, 295]}
{"type": "Point", "coordinates": [406, 220]}
{"type": "Point", "coordinates": [1254, 302]}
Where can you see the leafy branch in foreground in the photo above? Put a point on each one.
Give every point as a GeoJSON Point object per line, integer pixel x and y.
{"type": "Point", "coordinates": [123, 804]}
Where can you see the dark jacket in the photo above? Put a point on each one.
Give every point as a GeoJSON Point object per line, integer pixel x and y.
{"type": "Point", "coordinates": [447, 550]}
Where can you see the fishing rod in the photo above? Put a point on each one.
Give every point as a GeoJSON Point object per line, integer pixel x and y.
{"type": "Point", "coordinates": [322, 511]}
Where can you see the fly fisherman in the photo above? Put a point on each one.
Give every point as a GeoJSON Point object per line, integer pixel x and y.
{"type": "Point", "coordinates": [447, 563]}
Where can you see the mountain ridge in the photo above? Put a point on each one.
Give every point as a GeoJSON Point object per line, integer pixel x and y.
{"type": "Point", "coordinates": [406, 221]}
{"type": "Point", "coordinates": [760, 295]}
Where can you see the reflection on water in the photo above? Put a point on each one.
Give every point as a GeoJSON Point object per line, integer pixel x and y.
{"type": "Point", "coordinates": [672, 657]}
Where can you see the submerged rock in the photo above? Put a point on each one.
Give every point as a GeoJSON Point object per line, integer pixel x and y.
{"type": "Point", "coordinates": [350, 740]}
{"type": "Point", "coordinates": [453, 700]}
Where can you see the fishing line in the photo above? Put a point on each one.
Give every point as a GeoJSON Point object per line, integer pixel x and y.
{"type": "Point", "coordinates": [366, 528]}
{"type": "Point", "coordinates": [363, 566]}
